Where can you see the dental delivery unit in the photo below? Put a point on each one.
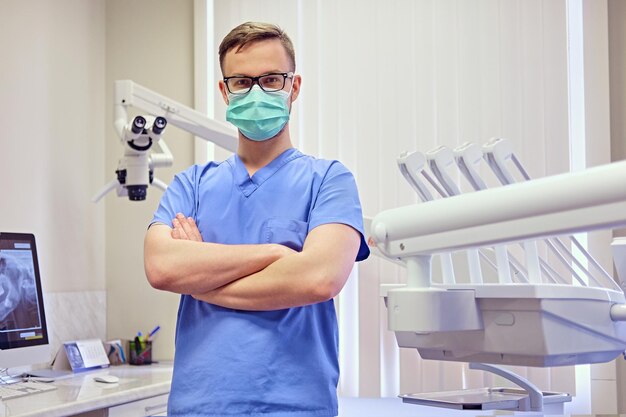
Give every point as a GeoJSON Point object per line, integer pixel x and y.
{"type": "Point", "coordinates": [532, 312]}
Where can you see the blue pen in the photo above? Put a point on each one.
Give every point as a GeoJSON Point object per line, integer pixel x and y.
{"type": "Point", "coordinates": [153, 332]}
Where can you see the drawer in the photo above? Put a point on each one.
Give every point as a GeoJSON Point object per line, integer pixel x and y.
{"type": "Point", "coordinates": [155, 406]}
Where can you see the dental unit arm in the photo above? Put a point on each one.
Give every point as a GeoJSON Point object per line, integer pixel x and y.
{"type": "Point", "coordinates": [135, 170]}
{"type": "Point", "coordinates": [562, 204]}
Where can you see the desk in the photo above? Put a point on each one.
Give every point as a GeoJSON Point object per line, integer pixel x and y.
{"type": "Point", "coordinates": [141, 391]}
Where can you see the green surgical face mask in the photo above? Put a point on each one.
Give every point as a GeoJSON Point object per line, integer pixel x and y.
{"type": "Point", "coordinates": [258, 114]}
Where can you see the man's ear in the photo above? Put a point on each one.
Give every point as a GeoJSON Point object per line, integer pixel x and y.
{"type": "Point", "coordinates": [295, 89]}
{"type": "Point", "coordinates": [223, 90]}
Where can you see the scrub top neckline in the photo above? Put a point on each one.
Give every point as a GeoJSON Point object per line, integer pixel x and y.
{"type": "Point", "coordinates": [248, 184]}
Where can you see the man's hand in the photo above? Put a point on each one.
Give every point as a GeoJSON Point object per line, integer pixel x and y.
{"type": "Point", "coordinates": [185, 228]}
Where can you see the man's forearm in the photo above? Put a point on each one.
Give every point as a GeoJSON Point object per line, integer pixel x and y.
{"type": "Point", "coordinates": [314, 275]}
{"type": "Point", "coordinates": [189, 267]}
{"type": "Point", "coordinates": [281, 285]}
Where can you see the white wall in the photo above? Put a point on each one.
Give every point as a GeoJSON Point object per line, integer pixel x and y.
{"type": "Point", "coordinates": [617, 51]}
{"type": "Point", "coordinates": [151, 43]}
{"type": "Point", "coordinates": [51, 151]}
{"type": "Point", "coordinates": [58, 148]}
{"type": "Point", "coordinates": [52, 136]}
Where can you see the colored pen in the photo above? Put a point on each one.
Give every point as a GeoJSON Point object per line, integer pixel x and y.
{"type": "Point", "coordinates": [153, 332]}
{"type": "Point", "coordinates": [140, 340]}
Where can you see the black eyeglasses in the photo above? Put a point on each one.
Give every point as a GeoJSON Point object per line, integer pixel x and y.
{"type": "Point", "coordinates": [268, 82]}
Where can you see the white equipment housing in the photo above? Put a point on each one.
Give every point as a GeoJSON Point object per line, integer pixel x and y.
{"type": "Point", "coordinates": [532, 315]}
{"type": "Point", "coordinates": [532, 325]}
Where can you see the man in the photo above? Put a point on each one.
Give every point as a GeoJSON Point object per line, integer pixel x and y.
{"type": "Point", "coordinates": [258, 246]}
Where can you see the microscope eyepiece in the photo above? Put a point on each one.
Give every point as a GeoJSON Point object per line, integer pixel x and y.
{"type": "Point", "coordinates": [159, 124]}
{"type": "Point", "coordinates": [138, 124]}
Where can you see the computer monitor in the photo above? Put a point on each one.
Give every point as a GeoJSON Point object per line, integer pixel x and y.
{"type": "Point", "coordinates": [23, 332]}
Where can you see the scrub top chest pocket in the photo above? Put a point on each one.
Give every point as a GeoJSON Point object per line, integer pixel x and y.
{"type": "Point", "coordinates": [287, 232]}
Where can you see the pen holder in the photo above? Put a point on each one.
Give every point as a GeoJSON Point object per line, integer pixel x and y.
{"type": "Point", "coordinates": [140, 353]}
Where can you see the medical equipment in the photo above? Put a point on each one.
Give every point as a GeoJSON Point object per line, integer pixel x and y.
{"type": "Point", "coordinates": [23, 330]}
{"type": "Point", "coordinates": [533, 315]}
{"type": "Point", "coordinates": [135, 170]}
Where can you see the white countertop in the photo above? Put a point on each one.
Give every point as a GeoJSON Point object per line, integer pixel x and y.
{"type": "Point", "coordinates": [80, 393]}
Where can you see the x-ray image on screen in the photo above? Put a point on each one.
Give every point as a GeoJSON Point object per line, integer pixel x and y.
{"type": "Point", "coordinates": [23, 332]}
{"type": "Point", "coordinates": [18, 294]}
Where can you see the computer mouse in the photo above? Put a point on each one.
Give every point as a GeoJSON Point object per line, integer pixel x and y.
{"type": "Point", "coordinates": [107, 379]}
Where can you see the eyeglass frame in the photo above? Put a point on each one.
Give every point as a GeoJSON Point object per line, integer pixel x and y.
{"type": "Point", "coordinates": [255, 80]}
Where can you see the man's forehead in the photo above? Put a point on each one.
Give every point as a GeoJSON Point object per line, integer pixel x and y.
{"type": "Point", "coordinates": [257, 57]}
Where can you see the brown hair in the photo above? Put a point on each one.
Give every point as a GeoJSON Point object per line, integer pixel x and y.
{"type": "Point", "coordinates": [249, 32]}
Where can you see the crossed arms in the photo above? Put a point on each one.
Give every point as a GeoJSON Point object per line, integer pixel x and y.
{"type": "Point", "coordinates": [250, 277]}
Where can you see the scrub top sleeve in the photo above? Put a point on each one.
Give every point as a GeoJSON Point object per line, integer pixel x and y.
{"type": "Point", "coordinates": [338, 202]}
{"type": "Point", "coordinates": [178, 198]}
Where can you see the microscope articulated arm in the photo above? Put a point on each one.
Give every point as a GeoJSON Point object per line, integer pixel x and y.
{"type": "Point", "coordinates": [129, 93]}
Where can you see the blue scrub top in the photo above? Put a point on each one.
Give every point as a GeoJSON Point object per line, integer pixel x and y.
{"type": "Point", "coordinates": [280, 363]}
